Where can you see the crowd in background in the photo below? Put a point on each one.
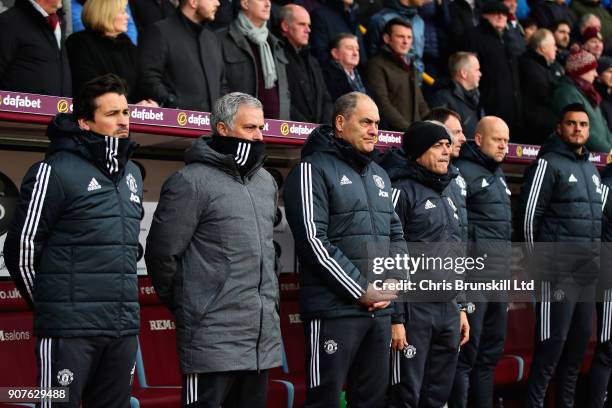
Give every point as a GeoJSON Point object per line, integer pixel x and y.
{"type": "Point", "coordinates": [472, 56]}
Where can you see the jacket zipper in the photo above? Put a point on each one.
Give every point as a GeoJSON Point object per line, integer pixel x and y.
{"type": "Point", "coordinates": [365, 189]}
{"type": "Point", "coordinates": [122, 211]}
{"type": "Point", "coordinates": [260, 278]}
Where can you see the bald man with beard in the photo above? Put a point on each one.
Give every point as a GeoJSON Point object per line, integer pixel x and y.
{"type": "Point", "coordinates": [489, 218]}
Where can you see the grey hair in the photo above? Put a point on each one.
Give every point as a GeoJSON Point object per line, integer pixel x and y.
{"type": "Point", "coordinates": [458, 61]}
{"type": "Point", "coordinates": [345, 104]}
{"type": "Point", "coordinates": [538, 38]}
{"type": "Point", "coordinates": [586, 17]}
{"type": "Point", "coordinates": [226, 107]}
{"type": "Point", "coordinates": [286, 13]}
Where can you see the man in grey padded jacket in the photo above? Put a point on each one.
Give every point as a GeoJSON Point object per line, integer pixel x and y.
{"type": "Point", "coordinates": [210, 255]}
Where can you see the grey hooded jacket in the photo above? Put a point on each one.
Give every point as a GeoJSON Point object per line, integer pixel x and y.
{"type": "Point", "coordinates": [210, 255]}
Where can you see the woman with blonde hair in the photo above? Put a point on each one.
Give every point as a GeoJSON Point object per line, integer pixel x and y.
{"type": "Point", "coordinates": [103, 47]}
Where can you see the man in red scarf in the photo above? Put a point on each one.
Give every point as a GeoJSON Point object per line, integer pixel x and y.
{"type": "Point", "coordinates": [577, 87]}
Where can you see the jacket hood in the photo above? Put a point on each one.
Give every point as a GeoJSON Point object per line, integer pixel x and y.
{"type": "Point", "coordinates": [471, 152]}
{"type": "Point", "coordinates": [607, 171]}
{"type": "Point", "coordinates": [398, 167]}
{"type": "Point", "coordinates": [201, 152]}
{"type": "Point", "coordinates": [395, 163]}
{"type": "Point", "coordinates": [406, 11]}
{"type": "Point", "coordinates": [554, 144]}
{"type": "Point", "coordinates": [323, 140]}
{"type": "Point", "coordinates": [66, 135]}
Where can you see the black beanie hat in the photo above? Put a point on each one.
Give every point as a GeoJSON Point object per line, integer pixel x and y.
{"type": "Point", "coordinates": [420, 136]}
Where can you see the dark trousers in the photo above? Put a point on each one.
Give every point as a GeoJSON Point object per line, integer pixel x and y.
{"type": "Point", "coordinates": [231, 389]}
{"type": "Point", "coordinates": [601, 368]}
{"type": "Point", "coordinates": [562, 333]}
{"type": "Point", "coordinates": [347, 350]}
{"type": "Point", "coordinates": [97, 370]}
{"type": "Point", "coordinates": [479, 356]}
{"type": "Point", "coordinates": [427, 365]}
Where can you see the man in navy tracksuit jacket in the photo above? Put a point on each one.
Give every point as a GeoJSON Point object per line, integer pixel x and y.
{"type": "Point", "coordinates": [561, 212]}
{"type": "Point", "coordinates": [338, 205]}
{"type": "Point", "coordinates": [428, 330]}
{"type": "Point", "coordinates": [601, 367]}
{"type": "Point", "coordinates": [72, 250]}
{"type": "Point", "coordinates": [490, 233]}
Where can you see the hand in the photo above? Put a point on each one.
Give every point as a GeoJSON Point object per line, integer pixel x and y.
{"type": "Point", "coordinates": [378, 305]}
{"type": "Point", "coordinates": [150, 103]}
{"type": "Point", "coordinates": [373, 296]}
{"type": "Point", "coordinates": [464, 328]}
{"type": "Point", "coordinates": [398, 337]}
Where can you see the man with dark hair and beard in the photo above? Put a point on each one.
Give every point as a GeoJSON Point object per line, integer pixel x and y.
{"type": "Point", "coordinates": [72, 249]}
{"type": "Point", "coordinates": [561, 212]}
{"type": "Point", "coordinates": [211, 258]}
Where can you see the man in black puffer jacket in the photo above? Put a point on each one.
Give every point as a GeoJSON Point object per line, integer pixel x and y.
{"type": "Point", "coordinates": [601, 367]}
{"type": "Point", "coordinates": [73, 246]}
{"type": "Point", "coordinates": [561, 211]}
{"type": "Point", "coordinates": [427, 331]}
{"type": "Point", "coordinates": [489, 231]}
{"type": "Point", "coordinates": [338, 205]}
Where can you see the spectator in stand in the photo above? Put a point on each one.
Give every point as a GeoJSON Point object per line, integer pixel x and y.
{"type": "Point", "coordinates": [592, 41]}
{"type": "Point", "coordinates": [530, 26]}
{"type": "Point", "coordinates": [392, 78]}
{"type": "Point", "coordinates": [464, 16]}
{"type": "Point", "coordinates": [514, 32]}
{"type": "Point", "coordinates": [310, 100]}
{"type": "Point", "coordinates": [562, 31]}
{"type": "Point", "coordinates": [340, 71]}
{"type": "Point", "coordinates": [461, 94]}
{"type": "Point", "coordinates": [226, 350]}
{"type": "Point", "coordinates": [147, 12]}
{"type": "Point", "coordinates": [436, 16]}
{"type": "Point", "coordinates": [585, 7]}
{"type": "Point", "coordinates": [500, 91]}
{"type": "Point", "coordinates": [76, 9]}
{"type": "Point", "coordinates": [577, 88]}
{"type": "Point", "coordinates": [538, 81]}
{"type": "Point", "coordinates": [32, 54]}
{"type": "Point", "coordinates": [328, 21]}
{"type": "Point", "coordinates": [180, 62]}
{"type": "Point", "coordinates": [603, 85]}
{"type": "Point", "coordinates": [548, 12]}
{"type": "Point", "coordinates": [103, 48]}
{"type": "Point", "coordinates": [408, 10]}
{"type": "Point", "coordinates": [254, 59]}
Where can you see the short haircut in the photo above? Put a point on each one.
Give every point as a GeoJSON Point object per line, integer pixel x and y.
{"type": "Point", "coordinates": [286, 13]}
{"type": "Point", "coordinates": [396, 21]}
{"type": "Point", "coordinates": [572, 107]}
{"type": "Point", "coordinates": [226, 107]}
{"type": "Point", "coordinates": [84, 104]}
{"type": "Point", "coordinates": [528, 22]}
{"type": "Point", "coordinates": [538, 38]}
{"type": "Point", "coordinates": [458, 61]}
{"type": "Point", "coordinates": [585, 18]}
{"type": "Point", "coordinates": [441, 114]}
{"type": "Point", "coordinates": [555, 26]}
{"type": "Point", "coordinates": [335, 42]}
{"type": "Point", "coordinates": [99, 15]}
{"type": "Point", "coordinates": [345, 104]}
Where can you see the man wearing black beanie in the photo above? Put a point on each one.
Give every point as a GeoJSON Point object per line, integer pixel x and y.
{"type": "Point", "coordinates": [426, 332]}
